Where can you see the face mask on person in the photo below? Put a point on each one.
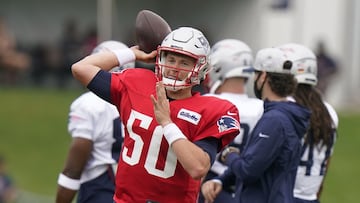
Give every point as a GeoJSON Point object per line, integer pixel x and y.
{"type": "Point", "coordinates": [258, 92]}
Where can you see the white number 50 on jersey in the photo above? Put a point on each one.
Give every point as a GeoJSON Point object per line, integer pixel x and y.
{"type": "Point", "coordinates": [154, 148]}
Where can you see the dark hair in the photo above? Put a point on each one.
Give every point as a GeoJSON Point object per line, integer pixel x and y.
{"type": "Point", "coordinates": [282, 84]}
{"type": "Point", "coordinates": [321, 124]}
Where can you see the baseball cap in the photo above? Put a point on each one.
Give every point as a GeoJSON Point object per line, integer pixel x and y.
{"type": "Point", "coordinates": [272, 60]}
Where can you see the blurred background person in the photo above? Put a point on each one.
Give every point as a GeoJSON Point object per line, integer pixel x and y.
{"type": "Point", "coordinates": [318, 142]}
{"type": "Point", "coordinates": [231, 62]}
{"type": "Point", "coordinates": [46, 61]}
{"type": "Point", "coordinates": [96, 132]}
{"type": "Point", "coordinates": [89, 40]}
{"type": "Point", "coordinates": [51, 62]}
{"type": "Point", "coordinates": [13, 62]}
{"type": "Point", "coordinates": [327, 67]}
{"type": "Point", "coordinates": [8, 191]}
{"type": "Point", "coordinates": [71, 50]}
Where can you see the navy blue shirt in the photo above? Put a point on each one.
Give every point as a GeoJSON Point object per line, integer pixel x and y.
{"type": "Point", "coordinates": [265, 171]}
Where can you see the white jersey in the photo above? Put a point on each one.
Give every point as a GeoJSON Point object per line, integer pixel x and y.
{"type": "Point", "coordinates": [95, 119]}
{"type": "Point", "coordinates": [250, 111]}
{"type": "Point", "coordinates": [312, 169]}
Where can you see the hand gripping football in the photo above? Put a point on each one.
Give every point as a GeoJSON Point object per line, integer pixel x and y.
{"type": "Point", "coordinates": [150, 30]}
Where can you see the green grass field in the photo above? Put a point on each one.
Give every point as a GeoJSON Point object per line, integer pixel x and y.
{"type": "Point", "coordinates": [34, 140]}
{"type": "Point", "coordinates": [34, 137]}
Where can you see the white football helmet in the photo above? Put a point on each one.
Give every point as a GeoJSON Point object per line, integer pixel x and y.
{"type": "Point", "coordinates": [113, 45]}
{"type": "Point", "coordinates": [272, 60]}
{"type": "Point", "coordinates": [229, 44]}
{"type": "Point", "coordinates": [185, 41]}
{"type": "Point", "coordinates": [304, 62]}
{"type": "Point", "coordinates": [229, 58]}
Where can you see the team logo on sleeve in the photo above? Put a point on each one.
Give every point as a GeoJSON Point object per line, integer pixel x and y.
{"type": "Point", "coordinates": [227, 123]}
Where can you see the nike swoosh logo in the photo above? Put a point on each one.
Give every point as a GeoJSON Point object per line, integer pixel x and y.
{"type": "Point", "coordinates": [231, 113]}
{"type": "Point", "coordinates": [263, 135]}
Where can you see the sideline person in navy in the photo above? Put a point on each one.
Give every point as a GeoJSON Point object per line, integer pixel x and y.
{"type": "Point", "coordinates": [265, 171]}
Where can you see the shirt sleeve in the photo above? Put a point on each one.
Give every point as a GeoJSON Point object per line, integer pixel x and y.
{"type": "Point", "coordinates": [264, 146]}
{"type": "Point", "coordinates": [81, 122]}
{"type": "Point", "coordinates": [101, 85]}
{"type": "Point", "coordinates": [227, 178]}
{"type": "Point", "coordinates": [222, 126]}
{"type": "Point", "coordinates": [209, 145]}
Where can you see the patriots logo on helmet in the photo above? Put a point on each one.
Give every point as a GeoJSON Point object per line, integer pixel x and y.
{"type": "Point", "coordinates": [227, 123]}
{"type": "Point", "coordinates": [205, 44]}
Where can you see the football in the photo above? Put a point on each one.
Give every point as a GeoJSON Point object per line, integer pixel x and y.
{"type": "Point", "coordinates": [150, 30]}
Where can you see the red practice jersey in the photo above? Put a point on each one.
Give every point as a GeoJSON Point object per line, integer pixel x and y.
{"type": "Point", "coordinates": [148, 168]}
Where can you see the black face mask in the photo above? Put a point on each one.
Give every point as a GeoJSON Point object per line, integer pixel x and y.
{"type": "Point", "coordinates": [258, 92]}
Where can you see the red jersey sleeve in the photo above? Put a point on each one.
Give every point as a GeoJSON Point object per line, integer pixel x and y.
{"type": "Point", "coordinates": [223, 124]}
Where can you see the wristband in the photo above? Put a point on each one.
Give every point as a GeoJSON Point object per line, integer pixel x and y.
{"type": "Point", "coordinates": [72, 184]}
{"type": "Point", "coordinates": [124, 56]}
{"type": "Point", "coordinates": [173, 133]}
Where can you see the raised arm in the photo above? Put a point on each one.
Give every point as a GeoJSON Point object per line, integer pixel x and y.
{"type": "Point", "coordinates": [86, 69]}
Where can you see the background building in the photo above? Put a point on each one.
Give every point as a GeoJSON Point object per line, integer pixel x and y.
{"type": "Point", "coordinates": [260, 23]}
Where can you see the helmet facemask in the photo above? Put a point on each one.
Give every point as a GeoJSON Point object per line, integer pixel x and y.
{"type": "Point", "coordinates": [178, 79]}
